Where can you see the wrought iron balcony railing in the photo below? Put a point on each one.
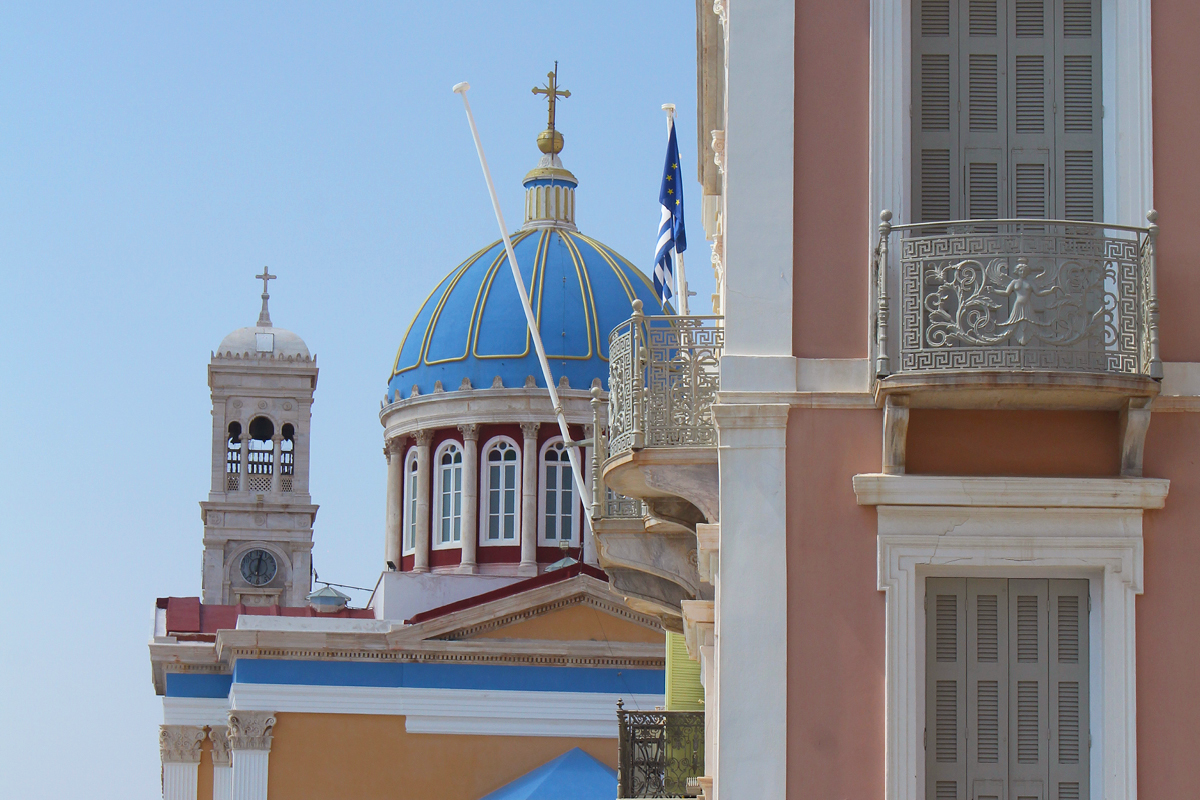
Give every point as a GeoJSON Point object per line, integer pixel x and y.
{"type": "Point", "coordinates": [663, 374]}
{"type": "Point", "coordinates": [1017, 294]}
{"type": "Point", "coordinates": [659, 753]}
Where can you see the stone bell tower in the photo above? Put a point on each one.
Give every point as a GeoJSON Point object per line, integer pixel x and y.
{"type": "Point", "coordinates": [258, 519]}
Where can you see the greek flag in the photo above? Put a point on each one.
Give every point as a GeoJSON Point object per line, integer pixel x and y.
{"type": "Point", "coordinates": [671, 235]}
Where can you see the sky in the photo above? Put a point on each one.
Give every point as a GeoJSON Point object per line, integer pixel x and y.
{"type": "Point", "coordinates": [153, 158]}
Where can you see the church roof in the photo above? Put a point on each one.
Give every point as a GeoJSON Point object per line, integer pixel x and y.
{"type": "Point", "coordinates": [472, 326]}
{"type": "Point", "coordinates": [574, 775]}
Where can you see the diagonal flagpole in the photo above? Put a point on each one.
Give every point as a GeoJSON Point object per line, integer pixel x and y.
{"type": "Point", "coordinates": [530, 320]}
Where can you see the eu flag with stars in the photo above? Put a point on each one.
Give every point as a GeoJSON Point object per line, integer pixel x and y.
{"type": "Point", "coordinates": [671, 235]}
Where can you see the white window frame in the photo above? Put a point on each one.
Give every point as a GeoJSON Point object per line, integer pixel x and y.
{"type": "Point", "coordinates": [412, 482]}
{"type": "Point", "coordinates": [577, 510]}
{"type": "Point", "coordinates": [485, 489]}
{"type": "Point", "coordinates": [1127, 123]}
{"type": "Point", "coordinates": [1012, 527]}
{"type": "Point", "coordinates": [443, 448]}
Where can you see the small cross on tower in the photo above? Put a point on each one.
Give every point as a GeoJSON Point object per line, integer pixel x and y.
{"type": "Point", "coordinates": [552, 92]}
{"type": "Point", "coordinates": [264, 316]}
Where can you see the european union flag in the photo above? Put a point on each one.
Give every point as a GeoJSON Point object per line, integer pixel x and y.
{"type": "Point", "coordinates": [671, 234]}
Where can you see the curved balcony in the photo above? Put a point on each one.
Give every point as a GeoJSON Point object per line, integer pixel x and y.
{"type": "Point", "coordinates": [660, 469]}
{"type": "Point", "coordinates": [1016, 313]}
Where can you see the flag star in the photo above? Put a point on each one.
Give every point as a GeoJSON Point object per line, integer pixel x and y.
{"type": "Point", "coordinates": [674, 166]}
{"type": "Point", "coordinates": [670, 177]}
{"type": "Point", "coordinates": [676, 202]}
{"type": "Point", "coordinates": [670, 191]}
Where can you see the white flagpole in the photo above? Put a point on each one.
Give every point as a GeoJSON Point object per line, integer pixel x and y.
{"type": "Point", "coordinates": [530, 320]}
{"type": "Point", "coordinates": [681, 287]}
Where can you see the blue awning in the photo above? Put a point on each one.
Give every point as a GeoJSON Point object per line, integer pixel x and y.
{"type": "Point", "coordinates": [574, 775]}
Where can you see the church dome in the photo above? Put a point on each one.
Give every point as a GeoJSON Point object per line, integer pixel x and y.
{"type": "Point", "coordinates": [262, 341]}
{"type": "Point", "coordinates": [472, 327]}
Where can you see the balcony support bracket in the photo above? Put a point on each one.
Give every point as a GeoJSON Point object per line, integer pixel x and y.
{"type": "Point", "coordinates": [1135, 421]}
{"type": "Point", "coordinates": [895, 433]}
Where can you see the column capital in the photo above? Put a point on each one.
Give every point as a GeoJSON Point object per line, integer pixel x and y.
{"type": "Point", "coordinates": [423, 437]}
{"type": "Point", "coordinates": [529, 430]}
{"type": "Point", "coordinates": [251, 730]}
{"type": "Point", "coordinates": [180, 744]}
{"type": "Point", "coordinates": [470, 431]}
{"type": "Point", "coordinates": [219, 735]}
{"type": "Point", "coordinates": [394, 446]}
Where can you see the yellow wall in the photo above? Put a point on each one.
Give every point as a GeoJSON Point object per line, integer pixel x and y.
{"type": "Point", "coordinates": [204, 782]}
{"type": "Point", "coordinates": [577, 623]}
{"type": "Point", "coordinates": [322, 756]}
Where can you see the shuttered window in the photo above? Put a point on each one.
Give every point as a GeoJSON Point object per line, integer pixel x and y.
{"type": "Point", "coordinates": [1006, 689]}
{"type": "Point", "coordinates": [1006, 109]}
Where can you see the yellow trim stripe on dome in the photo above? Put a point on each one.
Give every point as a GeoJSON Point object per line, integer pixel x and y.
{"type": "Point", "coordinates": [485, 289]}
{"type": "Point", "coordinates": [593, 324]}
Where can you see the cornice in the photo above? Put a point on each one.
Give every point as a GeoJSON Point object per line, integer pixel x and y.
{"type": "Point", "coordinates": [483, 406]}
{"type": "Point", "coordinates": [936, 490]}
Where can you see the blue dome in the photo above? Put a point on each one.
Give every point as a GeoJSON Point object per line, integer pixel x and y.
{"type": "Point", "coordinates": [472, 325]}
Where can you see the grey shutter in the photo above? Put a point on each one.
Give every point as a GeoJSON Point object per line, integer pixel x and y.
{"type": "Point", "coordinates": [983, 119]}
{"type": "Point", "coordinates": [987, 688]}
{"type": "Point", "coordinates": [945, 689]}
{"type": "Point", "coordinates": [1028, 676]}
{"type": "Point", "coordinates": [1030, 102]}
{"type": "Point", "coordinates": [1069, 737]}
{"type": "Point", "coordinates": [935, 110]}
{"type": "Point", "coordinates": [1078, 98]}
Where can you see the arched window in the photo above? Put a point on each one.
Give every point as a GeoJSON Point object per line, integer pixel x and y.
{"type": "Point", "coordinates": [260, 458]}
{"type": "Point", "coordinates": [233, 458]}
{"type": "Point", "coordinates": [448, 494]}
{"type": "Point", "coordinates": [410, 505]}
{"type": "Point", "coordinates": [287, 458]}
{"type": "Point", "coordinates": [499, 501]}
{"type": "Point", "coordinates": [558, 517]}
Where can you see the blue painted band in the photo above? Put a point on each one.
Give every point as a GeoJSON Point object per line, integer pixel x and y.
{"type": "Point", "coordinates": [549, 182]}
{"type": "Point", "coordinates": [451, 676]}
{"type": "Point", "coordinates": [183, 684]}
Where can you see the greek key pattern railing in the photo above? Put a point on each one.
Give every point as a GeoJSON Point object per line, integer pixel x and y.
{"type": "Point", "coordinates": [663, 378]}
{"type": "Point", "coordinates": [659, 753]}
{"type": "Point", "coordinates": [1018, 294]}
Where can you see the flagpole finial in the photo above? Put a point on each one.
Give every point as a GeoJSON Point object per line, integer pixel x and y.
{"type": "Point", "coordinates": [550, 141]}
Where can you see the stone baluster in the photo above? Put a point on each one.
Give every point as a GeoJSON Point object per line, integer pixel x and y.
{"type": "Point", "coordinates": [393, 451]}
{"type": "Point", "coordinates": [179, 748]}
{"type": "Point", "coordinates": [250, 745]}
{"type": "Point", "coordinates": [529, 476]}
{"type": "Point", "coordinates": [222, 764]}
{"type": "Point", "coordinates": [421, 558]}
{"type": "Point", "coordinates": [470, 498]}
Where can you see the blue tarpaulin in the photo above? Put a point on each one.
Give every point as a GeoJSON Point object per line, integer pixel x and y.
{"type": "Point", "coordinates": [572, 776]}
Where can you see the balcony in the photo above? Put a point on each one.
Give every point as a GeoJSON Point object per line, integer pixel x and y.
{"type": "Point", "coordinates": [659, 753]}
{"type": "Point", "coordinates": [659, 472]}
{"type": "Point", "coordinates": [1016, 313]}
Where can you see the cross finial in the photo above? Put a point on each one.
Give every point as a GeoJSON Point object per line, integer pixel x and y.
{"type": "Point", "coordinates": [264, 316]}
{"type": "Point", "coordinates": [552, 92]}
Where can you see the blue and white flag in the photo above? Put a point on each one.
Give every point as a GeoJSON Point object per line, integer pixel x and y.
{"type": "Point", "coordinates": [671, 235]}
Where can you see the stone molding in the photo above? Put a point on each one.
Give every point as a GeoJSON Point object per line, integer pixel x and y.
{"type": "Point", "coordinates": [486, 406]}
{"type": "Point", "coordinates": [180, 744]}
{"type": "Point", "coordinates": [937, 490]}
{"type": "Point", "coordinates": [251, 730]}
{"type": "Point", "coordinates": [219, 736]}
{"type": "Point", "coordinates": [699, 626]}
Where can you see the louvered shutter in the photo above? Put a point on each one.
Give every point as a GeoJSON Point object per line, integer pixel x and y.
{"type": "Point", "coordinates": [987, 688]}
{"type": "Point", "coordinates": [936, 192]}
{"type": "Point", "coordinates": [945, 689]}
{"type": "Point", "coordinates": [983, 120]}
{"type": "Point", "coordinates": [1069, 737]}
{"type": "Point", "coordinates": [1078, 97]}
{"type": "Point", "coordinates": [1028, 678]}
{"type": "Point", "coordinates": [1031, 111]}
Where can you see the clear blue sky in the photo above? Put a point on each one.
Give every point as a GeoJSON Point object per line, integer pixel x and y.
{"type": "Point", "coordinates": [152, 159]}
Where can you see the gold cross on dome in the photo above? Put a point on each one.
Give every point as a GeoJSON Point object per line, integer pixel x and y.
{"type": "Point", "coordinates": [552, 92]}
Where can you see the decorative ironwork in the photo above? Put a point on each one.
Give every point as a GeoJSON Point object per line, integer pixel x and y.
{"type": "Point", "coordinates": [1019, 295]}
{"type": "Point", "coordinates": [618, 506]}
{"type": "Point", "coordinates": [663, 378]}
{"type": "Point", "coordinates": [659, 753]}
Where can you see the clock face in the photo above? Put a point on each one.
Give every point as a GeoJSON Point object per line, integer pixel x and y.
{"type": "Point", "coordinates": [258, 567]}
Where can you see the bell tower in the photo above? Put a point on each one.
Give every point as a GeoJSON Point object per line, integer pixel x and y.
{"type": "Point", "coordinates": [258, 519]}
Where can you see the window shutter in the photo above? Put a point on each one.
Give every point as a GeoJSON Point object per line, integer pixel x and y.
{"type": "Point", "coordinates": [1028, 690]}
{"type": "Point", "coordinates": [945, 689]}
{"type": "Point", "coordinates": [983, 120]}
{"type": "Point", "coordinates": [935, 110]}
{"type": "Point", "coordinates": [1078, 99]}
{"type": "Point", "coordinates": [1069, 738]}
{"type": "Point", "coordinates": [987, 688]}
{"type": "Point", "coordinates": [1030, 102]}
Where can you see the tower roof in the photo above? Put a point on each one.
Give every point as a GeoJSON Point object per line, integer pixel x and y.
{"type": "Point", "coordinates": [263, 340]}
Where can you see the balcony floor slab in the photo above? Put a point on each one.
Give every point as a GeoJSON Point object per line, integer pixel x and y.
{"type": "Point", "coordinates": [1016, 389]}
